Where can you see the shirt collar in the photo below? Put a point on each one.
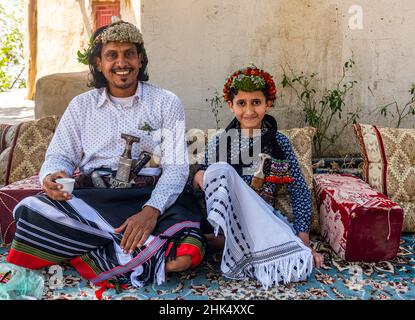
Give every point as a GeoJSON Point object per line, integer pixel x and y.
{"type": "Point", "coordinates": [104, 96]}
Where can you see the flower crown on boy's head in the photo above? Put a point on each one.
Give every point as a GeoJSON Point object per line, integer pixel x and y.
{"type": "Point", "coordinates": [250, 79]}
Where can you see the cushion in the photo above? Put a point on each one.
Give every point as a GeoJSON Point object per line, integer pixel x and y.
{"type": "Point", "coordinates": [359, 222]}
{"type": "Point", "coordinates": [302, 141]}
{"type": "Point", "coordinates": [10, 195]}
{"type": "Point", "coordinates": [389, 165]}
{"type": "Point", "coordinates": [23, 147]}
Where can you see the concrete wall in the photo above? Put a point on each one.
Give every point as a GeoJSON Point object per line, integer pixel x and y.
{"type": "Point", "coordinates": [194, 45]}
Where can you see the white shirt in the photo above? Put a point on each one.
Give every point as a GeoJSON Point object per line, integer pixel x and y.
{"type": "Point", "coordinates": [89, 136]}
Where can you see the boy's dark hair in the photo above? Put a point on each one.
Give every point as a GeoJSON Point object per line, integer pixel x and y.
{"type": "Point", "coordinates": [233, 92]}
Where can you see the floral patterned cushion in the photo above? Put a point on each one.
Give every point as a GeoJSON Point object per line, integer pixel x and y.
{"type": "Point", "coordinates": [359, 222]}
{"type": "Point", "coordinates": [389, 165]}
{"type": "Point", "coordinates": [23, 147]}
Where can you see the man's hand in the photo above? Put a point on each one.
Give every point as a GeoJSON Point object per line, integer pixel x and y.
{"type": "Point", "coordinates": [53, 189]}
{"type": "Point", "coordinates": [198, 179]}
{"type": "Point", "coordinates": [137, 228]}
{"type": "Point", "coordinates": [317, 257]}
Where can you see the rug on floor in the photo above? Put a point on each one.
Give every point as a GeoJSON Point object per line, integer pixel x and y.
{"type": "Point", "coordinates": [336, 280]}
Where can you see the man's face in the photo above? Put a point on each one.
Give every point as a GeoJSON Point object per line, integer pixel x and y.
{"type": "Point", "coordinates": [120, 64]}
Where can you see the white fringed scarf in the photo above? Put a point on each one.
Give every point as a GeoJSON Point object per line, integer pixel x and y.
{"type": "Point", "coordinates": [258, 244]}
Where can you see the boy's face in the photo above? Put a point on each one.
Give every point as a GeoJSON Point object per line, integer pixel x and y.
{"type": "Point", "coordinates": [120, 64]}
{"type": "Point", "coordinates": [249, 108]}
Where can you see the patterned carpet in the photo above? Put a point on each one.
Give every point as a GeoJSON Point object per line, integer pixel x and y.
{"type": "Point", "coordinates": [336, 280]}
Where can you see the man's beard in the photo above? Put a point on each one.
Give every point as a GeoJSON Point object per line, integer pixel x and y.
{"type": "Point", "coordinates": [125, 85]}
{"type": "Point", "coordinates": [123, 82]}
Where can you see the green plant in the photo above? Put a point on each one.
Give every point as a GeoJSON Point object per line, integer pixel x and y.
{"type": "Point", "coordinates": [216, 104]}
{"type": "Point", "coordinates": [402, 112]}
{"type": "Point", "coordinates": [11, 47]}
{"type": "Point", "coordinates": [82, 57]}
{"type": "Point", "coordinates": [322, 107]}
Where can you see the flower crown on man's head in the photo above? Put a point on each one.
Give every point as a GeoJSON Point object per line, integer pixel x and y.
{"type": "Point", "coordinates": [120, 31]}
{"type": "Point", "coordinates": [250, 79]}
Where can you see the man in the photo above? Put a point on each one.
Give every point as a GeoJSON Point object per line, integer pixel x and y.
{"type": "Point", "coordinates": [107, 233]}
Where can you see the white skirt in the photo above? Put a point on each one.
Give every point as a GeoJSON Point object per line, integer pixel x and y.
{"type": "Point", "coordinates": [258, 243]}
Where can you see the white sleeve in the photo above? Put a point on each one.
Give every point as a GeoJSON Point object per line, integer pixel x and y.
{"type": "Point", "coordinates": [174, 158]}
{"type": "Point", "coordinates": [65, 150]}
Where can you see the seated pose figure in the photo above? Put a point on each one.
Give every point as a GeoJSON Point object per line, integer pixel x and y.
{"type": "Point", "coordinates": [130, 234]}
{"type": "Point", "coordinates": [259, 242]}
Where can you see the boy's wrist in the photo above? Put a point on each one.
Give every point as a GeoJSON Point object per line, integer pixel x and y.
{"type": "Point", "coordinates": [305, 237]}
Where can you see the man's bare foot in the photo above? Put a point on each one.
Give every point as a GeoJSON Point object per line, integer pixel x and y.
{"type": "Point", "coordinates": [215, 243]}
{"type": "Point", "coordinates": [181, 263]}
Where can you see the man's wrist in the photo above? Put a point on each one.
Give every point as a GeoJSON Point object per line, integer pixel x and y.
{"type": "Point", "coordinates": [152, 209]}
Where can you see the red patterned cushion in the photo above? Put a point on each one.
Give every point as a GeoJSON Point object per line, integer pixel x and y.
{"type": "Point", "coordinates": [360, 223]}
{"type": "Point", "coordinates": [11, 195]}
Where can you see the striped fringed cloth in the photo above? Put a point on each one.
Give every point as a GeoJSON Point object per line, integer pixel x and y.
{"type": "Point", "coordinates": [259, 243]}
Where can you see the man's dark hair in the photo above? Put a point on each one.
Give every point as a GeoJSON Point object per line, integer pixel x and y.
{"type": "Point", "coordinates": [98, 80]}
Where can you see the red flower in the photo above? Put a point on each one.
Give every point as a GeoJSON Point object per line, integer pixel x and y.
{"type": "Point", "coordinates": [251, 72]}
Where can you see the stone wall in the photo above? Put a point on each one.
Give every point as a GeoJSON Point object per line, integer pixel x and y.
{"type": "Point", "coordinates": [55, 91]}
{"type": "Point", "coordinates": [64, 27]}
{"type": "Point", "coordinates": [61, 33]}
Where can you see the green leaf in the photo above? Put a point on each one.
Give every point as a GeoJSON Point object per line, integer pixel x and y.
{"type": "Point", "coordinates": [284, 81]}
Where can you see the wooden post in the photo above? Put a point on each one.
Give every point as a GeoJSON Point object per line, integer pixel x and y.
{"type": "Point", "coordinates": [85, 18]}
{"type": "Point", "coordinates": [32, 46]}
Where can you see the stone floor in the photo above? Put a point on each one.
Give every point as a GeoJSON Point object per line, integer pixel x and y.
{"type": "Point", "coordinates": [14, 108]}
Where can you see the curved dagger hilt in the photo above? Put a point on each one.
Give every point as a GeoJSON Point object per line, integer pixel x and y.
{"type": "Point", "coordinates": [260, 172]}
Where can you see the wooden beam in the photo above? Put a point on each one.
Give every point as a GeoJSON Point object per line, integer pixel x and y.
{"type": "Point", "coordinates": [85, 18]}
{"type": "Point", "coordinates": [32, 46]}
